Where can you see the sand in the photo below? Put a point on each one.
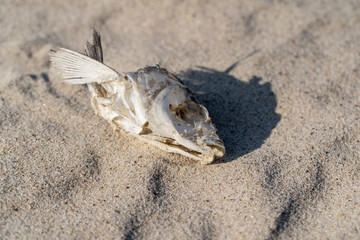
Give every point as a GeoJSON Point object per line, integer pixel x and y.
{"type": "Point", "coordinates": [279, 78]}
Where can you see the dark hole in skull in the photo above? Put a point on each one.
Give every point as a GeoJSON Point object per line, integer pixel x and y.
{"type": "Point", "coordinates": [188, 112]}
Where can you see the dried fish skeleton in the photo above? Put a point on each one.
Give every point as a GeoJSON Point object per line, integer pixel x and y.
{"type": "Point", "coordinates": [152, 104]}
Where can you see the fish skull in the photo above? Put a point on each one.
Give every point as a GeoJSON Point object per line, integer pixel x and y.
{"type": "Point", "coordinates": [152, 104]}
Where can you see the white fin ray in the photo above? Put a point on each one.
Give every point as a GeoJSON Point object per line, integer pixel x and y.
{"type": "Point", "coordinates": [77, 68]}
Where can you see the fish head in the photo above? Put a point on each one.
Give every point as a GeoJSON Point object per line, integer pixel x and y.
{"type": "Point", "coordinates": [175, 119]}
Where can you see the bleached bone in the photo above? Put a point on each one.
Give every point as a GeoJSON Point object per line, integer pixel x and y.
{"type": "Point", "coordinates": [152, 104]}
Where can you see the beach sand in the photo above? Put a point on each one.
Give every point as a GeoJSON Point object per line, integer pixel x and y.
{"type": "Point", "coordinates": [281, 81]}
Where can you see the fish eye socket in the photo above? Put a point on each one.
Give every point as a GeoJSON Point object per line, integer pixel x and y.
{"type": "Point", "coordinates": [181, 113]}
{"type": "Point", "coordinates": [188, 112]}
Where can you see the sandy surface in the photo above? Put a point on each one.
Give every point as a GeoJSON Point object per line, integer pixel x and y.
{"type": "Point", "coordinates": [289, 115]}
